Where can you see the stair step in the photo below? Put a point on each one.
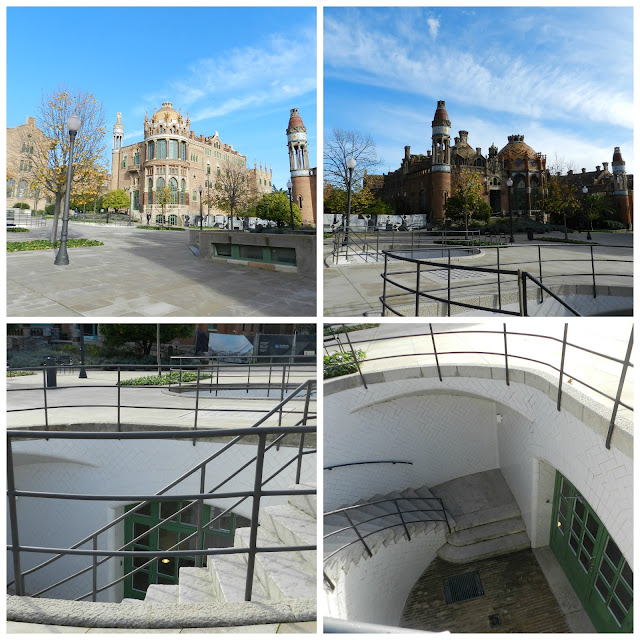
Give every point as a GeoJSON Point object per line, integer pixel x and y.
{"type": "Point", "coordinates": [228, 577]}
{"type": "Point", "coordinates": [282, 574]}
{"type": "Point", "coordinates": [424, 492]}
{"type": "Point", "coordinates": [486, 532]}
{"type": "Point", "coordinates": [195, 586]}
{"type": "Point", "coordinates": [306, 503]}
{"type": "Point", "coordinates": [162, 594]}
{"type": "Point", "coordinates": [131, 601]}
{"type": "Point", "coordinates": [292, 527]}
{"type": "Point", "coordinates": [484, 549]}
{"type": "Point", "coordinates": [486, 516]}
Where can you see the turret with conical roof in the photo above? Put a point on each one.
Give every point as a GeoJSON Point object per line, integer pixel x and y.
{"type": "Point", "coordinates": [301, 190]}
{"type": "Point", "coordinates": [441, 159]}
{"type": "Point", "coordinates": [620, 186]}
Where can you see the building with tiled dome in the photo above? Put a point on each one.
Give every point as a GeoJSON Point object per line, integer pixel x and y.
{"type": "Point", "coordinates": [172, 155]}
{"type": "Point", "coordinates": [422, 184]}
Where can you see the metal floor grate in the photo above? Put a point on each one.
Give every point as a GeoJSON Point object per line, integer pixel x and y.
{"type": "Point", "coordinates": [464, 586]}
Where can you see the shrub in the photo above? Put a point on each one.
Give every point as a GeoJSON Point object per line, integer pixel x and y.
{"type": "Point", "coordinates": [612, 224]}
{"type": "Point", "coordinates": [144, 226]}
{"type": "Point", "coordinates": [17, 374]}
{"type": "Point", "coordinates": [50, 209]}
{"type": "Point", "coordinates": [187, 376]}
{"type": "Point", "coordinates": [329, 331]}
{"type": "Point", "coordinates": [17, 229]}
{"type": "Point", "coordinates": [37, 245]}
{"type": "Point", "coordinates": [21, 205]}
{"type": "Point", "coordinates": [341, 364]}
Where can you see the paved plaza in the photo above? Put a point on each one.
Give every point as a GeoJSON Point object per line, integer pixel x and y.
{"type": "Point", "coordinates": [145, 273]}
{"type": "Point", "coordinates": [354, 289]}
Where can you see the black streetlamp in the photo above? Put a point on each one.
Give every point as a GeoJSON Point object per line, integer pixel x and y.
{"type": "Point", "coordinates": [290, 186]}
{"type": "Point", "coordinates": [509, 185]}
{"type": "Point", "coordinates": [208, 184]}
{"type": "Point", "coordinates": [62, 258]}
{"type": "Point", "coordinates": [200, 190]}
{"type": "Point", "coordinates": [351, 165]}
{"type": "Point", "coordinates": [83, 373]}
{"type": "Point", "coordinates": [589, 221]}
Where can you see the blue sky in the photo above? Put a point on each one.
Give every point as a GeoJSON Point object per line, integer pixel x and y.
{"type": "Point", "coordinates": [237, 71]}
{"type": "Point", "coordinates": [562, 77]}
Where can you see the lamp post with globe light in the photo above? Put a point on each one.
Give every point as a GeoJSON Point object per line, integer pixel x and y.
{"type": "Point", "coordinates": [289, 187]}
{"type": "Point", "coordinates": [589, 221]}
{"type": "Point", "coordinates": [73, 125]}
{"type": "Point", "coordinates": [200, 190]}
{"type": "Point", "coordinates": [509, 185]}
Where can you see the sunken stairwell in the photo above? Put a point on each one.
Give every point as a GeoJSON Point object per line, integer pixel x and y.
{"type": "Point", "coordinates": [278, 577]}
{"type": "Point", "coordinates": [379, 524]}
{"type": "Point", "coordinates": [488, 521]}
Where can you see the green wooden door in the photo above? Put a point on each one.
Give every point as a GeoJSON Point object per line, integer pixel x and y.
{"type": "Point", "coordinates": [597, 571]}
{"type": "Point", "coordinates": [180, 523]}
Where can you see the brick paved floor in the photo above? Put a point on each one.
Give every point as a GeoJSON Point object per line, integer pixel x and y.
{"type": "Point", "coordinates": [515, 589]}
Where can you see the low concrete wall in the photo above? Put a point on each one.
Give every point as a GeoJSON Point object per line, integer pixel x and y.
{"type": "Point", "coordinates": [303, 244]}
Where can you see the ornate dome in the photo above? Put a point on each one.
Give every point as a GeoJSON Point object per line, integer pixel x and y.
{"type": "Point", "coordinates": [462, 146]}
{"type": "Point", "coordinates": [516, 148]}
{"type": "Point", "coordinates": [167, 113]}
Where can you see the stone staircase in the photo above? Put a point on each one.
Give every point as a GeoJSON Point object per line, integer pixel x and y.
{"type": "Point", "coordinates": [379, 524]}
{"type": "Point", "coordinates": [488, 521]}
{"type": "Point", "coordinates": [278, 577]}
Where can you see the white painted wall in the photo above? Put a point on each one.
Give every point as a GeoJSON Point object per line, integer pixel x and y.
{"type": "Point", "coordinates": [376, 589]}
{"type": "Point", "coordinates": [450, 429]}
{"type": "Point", "coordinates": [119, 467]}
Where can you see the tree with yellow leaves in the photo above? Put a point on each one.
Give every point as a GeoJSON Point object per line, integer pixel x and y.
{"type": "Point", "coordinates": [51, 153]}
{"type": "Point", "coordinates": [231, 190]}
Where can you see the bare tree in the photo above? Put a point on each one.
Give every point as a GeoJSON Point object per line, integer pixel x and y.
{"type": "Point", "coordinates": [560, 165]}
{"type": "Point", "coordinates": [51, 151]}
{"type": "Point", "coordinates": [342, 145]}
{"type": "Point", "coordinates": [231, 189]}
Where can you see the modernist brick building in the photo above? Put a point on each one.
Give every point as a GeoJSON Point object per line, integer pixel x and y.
{"type": "Point", "coordinates": [172, 155]}
{"type": "Point", "coordinates": [303, 178]}
{"type": "Point", "coordinates": [423, 183]}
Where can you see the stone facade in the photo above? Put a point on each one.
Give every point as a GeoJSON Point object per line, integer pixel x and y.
{"type": "Point", "coordinates": [423, 183]}
{"type": "Point", "coordinates": [303, 178]}
{"type": "Point", "coordinates": [22, 142]}
{"type": "Point", "coordinates": [172, 155]}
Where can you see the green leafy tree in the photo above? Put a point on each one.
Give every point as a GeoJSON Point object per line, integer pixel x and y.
{"type": "Point", "coordinates": [275, 207]}
{"type": "Point", "coordinates": [335, 202]}
{"type": "Point", "coordinates": [361, 201]}
{"type": "Point", "coordinates": [232, 191]}
{"type": "Point", "coordinates": [562, 202]}
{"type": "Point", "coordinates": [164, 197]}
{"type": "Point", "coordinates": [143, 335]}
{"type": "Point", "coordinates": [378, 208]}
{"type": "Point", "coordinates": [117, 199]}
{"type": "Point", "coordinates": [598, 207]}
{"type": "Point", "coordinates": [467, 204]}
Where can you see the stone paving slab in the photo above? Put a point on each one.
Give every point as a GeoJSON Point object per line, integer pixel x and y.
{"type": "Point", "coordinates": [146, 273]}
{"type": "Point", "coordinates": [286, 627]}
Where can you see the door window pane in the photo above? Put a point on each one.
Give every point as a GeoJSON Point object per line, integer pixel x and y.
{"type": "Point", "coordinates": [573, 543]}
{"type": "Point", "coordinates": [563, 507]}
{"type": "Point", "coordinates": [584, 560]}
{"type": "Point", "coordinates": [627, 574]}
{"type": "Point", "coordinates": [602, 588]}
{"type": "Point", "coordinates": [579, 509]}
{"type": "Point", "coordinates": [606, 571]}
{"type": "Point", "coordinates": [592, 525]}
{"type": "Point", "coordinates": [613, 553]}
{"type": "Point", "coordinates": [168, 509]}
{"type": "Point", "coordinates": [138, 530]}
{"type": "Point", "coordinates": [588, 544]}
{"type": "Point", "coordinates": [576, 526]}
{"type": "Point", "coordinates": [623, 595]}
{"type": "Point", "coordinates": [618, 612]}
{"type": "Point", "coordinates": [167, 566]}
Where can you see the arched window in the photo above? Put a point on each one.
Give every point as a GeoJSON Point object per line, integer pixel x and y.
{"type": "Point", "coordinates": [194, 196]}
{"type": "Point", "coordinates": [136, 158]}
{"type": "Point", "coordinates": [136, 200]}
{"type": "Point", "coordinates": [519, 194]}
{"type": "Point", "coordinates": [151, 150]}
{"type": "Point", "coordinates": [160, 183]}
{"type": "Point", "coordinates": [300, 202]}
{"type": "Point", "coordinates": [183, 150]}
{"type": "Point", "coordinates": [150, 191]}
{"type": "Point", "coordinates": [172, 219]}
{"type": "Point", "coordinates": [173, 149]}
{"type": "Point", "coordinates": [173, 185]}
{"type": "Point", "coordinates": [159, 219]}
{"type": "Point", "coordinates": [11, 187]}
{"type": "Point", "coordinates": [22, 189]}
{"type": "Point", "coordinates": [535, 193]}
{"type": "Point", "coordinates": [161, 150]}
{"type": "Point", "coordinates": [183, 190]}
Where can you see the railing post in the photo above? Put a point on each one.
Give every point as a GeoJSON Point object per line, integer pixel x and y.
{"type": "Point", "coordinates": [355, 356]}
{"type": "Point", "coordinates": [269, 385]}
{"type": "Point", "coordinates": [180, 376]}
{"type": "Point", "coordinates": [506, 353]}
{"type": "Point", "coordinates": [417, 289]}
{"type": "Point", "coordinates": [257, 495]}
{"type": "Point", "coordinates": [281, 394]}
{"type": "Point", "coordinates": [46, 407]}
{"type": "Point", "coordinates": [404, 524]}
{"type": "Point", "coordinates": [94, 570]}
{"type": "Point", "coordinates": [195, 415]}
{"type": "Point", "coordinates": [119, 402]}
{"type": "Point", "coordinates": [346, 513]}
{"type": "Point", "coordinates": [13, 519]}
{"type": "Point", "coordinates": [623, 374]}
{"type": "Point", "coordinates": [384, 287]}
{"type": "Point", "coordinates": [377, 245]}
{"type": "Point", "coordinates": [499, 289]}
{"type": "Point", "coordinates": [520, 298]}
{"type": "Point", "coordinates": [305, 414]}
{"type": "Point", "coordinates": [449, 283]}
{"type": "Point", "coordinates": [593, 271]}
{"type": "Point", "coordinates": [435, 351]}
{"type": "Point", "coordinates": [199, 510]}
{"type": "Point", "coordinates": [248, 378]}
{"type": "Point", "coordinates": [540, 272]}
{"type": "Point", "coordinates": [564, 349]}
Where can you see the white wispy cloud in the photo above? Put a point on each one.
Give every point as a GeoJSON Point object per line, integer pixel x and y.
{"type": "Point", "coordinates": [535, 84]}
{"type": "Point", "coordinates": [434, 25]}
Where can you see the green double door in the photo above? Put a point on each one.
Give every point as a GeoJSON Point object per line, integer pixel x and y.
{"type": "Point", "coordinates": [593, 563]}
{"type": "Point", "coordinates": [179, 526]}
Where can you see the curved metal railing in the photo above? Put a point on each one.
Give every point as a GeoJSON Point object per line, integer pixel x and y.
{"type": "Point", "coordinates": [276, 433]}
{"type": "Point", "coordinates": [353, 464]}
{"type": "Point", "coordinates": [557, 367]}
{"type": "Point", "coordinates": [512, 275]}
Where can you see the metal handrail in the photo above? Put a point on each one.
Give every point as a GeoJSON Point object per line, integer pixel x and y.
{"type": "Point", "coordinates": [283, 386]}
{"type": "Point", "coordinates": [238, 434]}
{"type": "Point", "coordinates": [401, 512]}
{"type": "Point", "coordinates": [500, 271]}
{"type": "Point", "coordinates": [617, 401]}
{"type": "Point", "coordinates": [349, 464]}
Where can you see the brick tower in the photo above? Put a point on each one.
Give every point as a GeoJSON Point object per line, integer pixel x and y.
{"type": "Point", "coordinates": [441, 160]}
{"type": "Point", "coordinates": [301, 175]}
{"type": "Point", "coordinates": [621, 191]}
{"type": "Point", "coordinates": [118, 134]}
